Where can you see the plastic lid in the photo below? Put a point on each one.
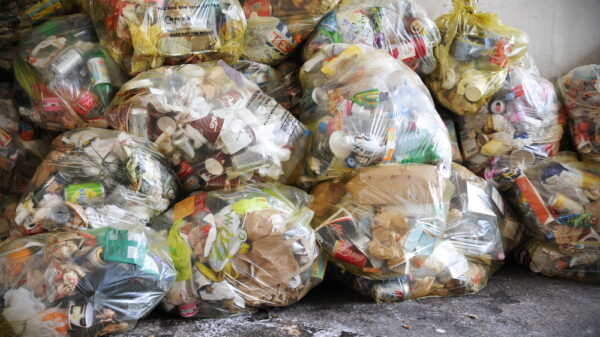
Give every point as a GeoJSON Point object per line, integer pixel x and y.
{"type": "Point", "coordinates": [213, 166]}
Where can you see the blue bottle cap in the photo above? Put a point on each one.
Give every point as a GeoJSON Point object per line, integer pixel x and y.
{"type": "Point", "coordinates": [322, 127]}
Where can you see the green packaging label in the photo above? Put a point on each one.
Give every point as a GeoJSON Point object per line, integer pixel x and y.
{"type": "Point", "coordinates": [84, 193]}
{"type": "Point", "coordinates": [125, 246]}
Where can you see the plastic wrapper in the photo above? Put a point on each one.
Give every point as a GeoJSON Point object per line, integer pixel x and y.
{"type": "Point", "coordinates": [523, 118]}
{"type": "Point", "coordinates": [69, 78]}
{"type": "Point", "coordinates": [277, 27]}
{"type": "Point", "coordinates": [400, 27]}
{"type": "Point", "coordinates": [236, 251]}
{"type": "Point", "coordinates": [474, 57]}
{"type": "Point", "coordinates": [558, 201]}
{"type": "Point", "coordinates": [580, 92]}
{"type": "Point", "coordinates": [96, 178]}
{"type": "Point", "coordinates": [385, 221]}
{"type": "Point", "coordinates": [82, 283]}
{"type": "Point", "coordinates": [17, 17]}
{"type": "Point", "coordinates": [143, 35]}
{"type": "Point", "coordinates": [469, 251]}
{"type": "Point", "coordinates": [216, 126]}
{"type": "Point", "coordinates": [282, 83]}
{"type": "Point", "coordinates": [368, 108]}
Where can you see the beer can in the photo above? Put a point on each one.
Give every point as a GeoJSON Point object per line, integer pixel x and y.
{"type": "Point", "coordinates": [138, 122]}
{"type": "Point", "coordinates": [67, 62]}
{"type": "Point", "coordinates": [565, 205]}
{"type": "Point", "coordinates": [393, 290]}
{"type": "Point", "coordinates": [84, 193]}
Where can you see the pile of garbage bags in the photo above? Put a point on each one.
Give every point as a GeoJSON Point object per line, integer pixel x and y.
{"type": "Point", "coordinates": [410, 235]}
{"type": "Point", "coordinates": [82, 283]}
{"type": "Point", "coordinates": [368, 108]}
{"type": "Point", "coordinates": [557, 199]}
{"type": "Point", "coordinates": [216, 126]}
{"type": "Point", "coordinates": [277, 27]}
{"type": "Point", "coordinates": [474, 56]}
{"type": "Point", "coordinates": [399, 27]}
{"type": "Point", "coordinates": [69, 78]}
{"type": "Point", "coordinates": [143, 35]}
{"type": "Point", "coordinates": [238, 250]}
{"type": "Point", "coordinates": [524, 117]}
{"type": "Point", "coordinates": [96, 178]}
{"type": "Point", "coordinates": [580, 92]}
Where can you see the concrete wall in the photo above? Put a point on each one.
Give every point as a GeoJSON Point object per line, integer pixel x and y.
{"type": "Point", "coordinates": [564, 34]}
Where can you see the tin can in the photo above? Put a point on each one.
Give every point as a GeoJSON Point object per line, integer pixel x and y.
{"type": "Point", "coordinates": [396, 289]}
{"type": "Point", "coordinates": [565, 205]}
{"type": "Point", "coordinates": [247, 161]}
{"type": "Point", "coordinates": [95, 258]}
{"type": "Point", "coordinates": [67, 63]}
{"type": "Point", "coordinates": [189, 309]}
{"type": "Point", "coordinates": [84, 193]}
{"type": "Point", "coordinates": [138, 122]}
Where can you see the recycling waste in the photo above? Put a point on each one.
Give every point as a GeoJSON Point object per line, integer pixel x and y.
{"type": "Point", "coordinates": [400, 27]}
{"type": "Point", "coordinates": [580, 92]}
{"type": "Point", "coordinates": [277, 27]}
{"type": "Point", "coordinates": [90, 282]}
{"type": "Point", "coordinates": [557, 199]}
{"type": "Point", "coordinates": [143, 35]}
{"type": "Point", "coordinates": [238, 250]}
{"type": "Point", "coordinates": [216, 126]}
{"type": "Point", "coordinates": [366, 108]}
{"type": "Point", "coordinates": [524, 119]}
{"type": "Point", "coordinates": [474, 56]}
{"type": "Point", "coordinates": [68, 77]}
{"type": "Point", "coordinates": [95, 178]}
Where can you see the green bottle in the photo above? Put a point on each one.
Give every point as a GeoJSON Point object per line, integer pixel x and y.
{"type": "Point", "coordinates": [101, 86]}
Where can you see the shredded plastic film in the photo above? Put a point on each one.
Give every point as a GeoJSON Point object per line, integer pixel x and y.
{"type": "Point", "coordinates": [238, 250]}
{"type": "Point", "coordinates": [82, 283]}
{"type": "Point", "coordinates": [143, 35]}
{"type": "Point", "coordinates": [474, 57]}
{"type": "Point", "coordinates": [97, 178]}
{"type": "Point", "coordinates": [216, 126]}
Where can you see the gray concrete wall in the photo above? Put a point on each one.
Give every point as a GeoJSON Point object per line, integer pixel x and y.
{"type": "Point", "coordinates": [564, 33]}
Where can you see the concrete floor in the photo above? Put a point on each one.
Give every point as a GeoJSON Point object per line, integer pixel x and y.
{"type": "Point", "coordinates": [515, 303]}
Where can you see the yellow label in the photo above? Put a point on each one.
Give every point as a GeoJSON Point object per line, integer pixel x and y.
{"type": "Point", "coordinates": [183, 208]}
{"type": "Point", "coordinates": [330, 67]}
